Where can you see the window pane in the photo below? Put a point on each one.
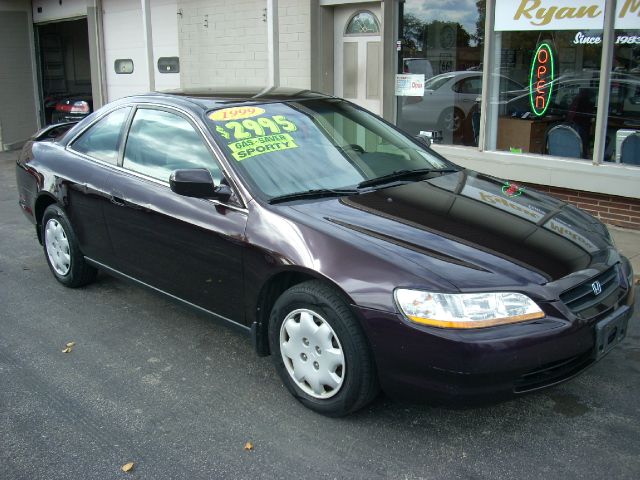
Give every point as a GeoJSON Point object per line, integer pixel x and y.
{"type": "Point", "coordinates": [622, 143]}
{"type": "Point", "coordinates": [160, 142]}
{"type": "Point", "coordinates": [101, 141]}
{"type": "Point", "coordinates": [446, 46]}
{"type": "Point", "coordinates": [555, 112]}
{"type": "Point", "coordinates": [362, 23]}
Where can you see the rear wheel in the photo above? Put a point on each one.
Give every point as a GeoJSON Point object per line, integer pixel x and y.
{"type": "Point", "coordinates": [62, 252]}
{"type": "Point", "coordinates": [320, 351]}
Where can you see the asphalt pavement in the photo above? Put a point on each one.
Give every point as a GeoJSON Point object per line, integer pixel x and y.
{"type": "Point", "coordinates": [153, 383]}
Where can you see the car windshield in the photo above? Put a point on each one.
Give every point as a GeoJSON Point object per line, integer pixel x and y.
{"type": "Point", "coordinates": [286, 148]}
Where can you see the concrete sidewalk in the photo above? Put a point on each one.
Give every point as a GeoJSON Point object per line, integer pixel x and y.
{"type": "Point", "coordinates": [627, 241]}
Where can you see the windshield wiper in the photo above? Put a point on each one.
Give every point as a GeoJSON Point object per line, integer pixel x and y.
{"type": "Point", "coordinates": [400, 174]}
{"type": "Point", "coordinates": [314, 193]}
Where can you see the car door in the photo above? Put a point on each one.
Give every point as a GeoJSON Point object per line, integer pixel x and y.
{"type": "Point", "coordinates": [92, 160]}
{"type": "Point", "coordinates": [187, 247]}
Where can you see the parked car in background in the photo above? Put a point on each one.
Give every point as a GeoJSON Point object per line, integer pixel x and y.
{"type": "Point", "coordinates": [353, 254]}
{"type": "Point", "coordinates": [72, 109]}
{"type": "Point", "coordinates": [448, 101]}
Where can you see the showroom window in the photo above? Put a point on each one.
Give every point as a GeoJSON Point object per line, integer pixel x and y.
{"type": "Point", "coordinates": [557, 56]}
{"type": "Point", "coordinates": [439, 81]}
{"type": "Point", "coordinates": [554, 112]}
{"type": "Point", "coordinates": [622, 143]}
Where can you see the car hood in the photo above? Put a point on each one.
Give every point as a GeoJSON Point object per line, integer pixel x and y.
{"type": "Point", "coordinates": [472, 230]}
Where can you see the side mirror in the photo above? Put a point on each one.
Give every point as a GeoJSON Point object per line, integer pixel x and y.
{"type": "Point", "coordinates": [197, 182]}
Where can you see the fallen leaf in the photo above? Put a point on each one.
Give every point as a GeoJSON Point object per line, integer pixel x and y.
{"type": "Point", "coordinates": [248, 446]}
{"type": "Point", "coordinates": [67, 350]}
{"type": "Point", "coordinates": [71, 344]}
{"type": "Point", "coordinates": [127, 467]}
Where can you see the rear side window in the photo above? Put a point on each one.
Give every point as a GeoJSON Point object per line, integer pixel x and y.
{"type": "Point", "coordinates": [160, 142]}
{"type": "Point", "coordinates": [472, 85]}
{"type": "Point", "coordinates": [102, 140]}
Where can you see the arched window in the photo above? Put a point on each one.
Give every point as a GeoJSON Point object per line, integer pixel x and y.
{"type": "Point", "coordinates": [363, 23]}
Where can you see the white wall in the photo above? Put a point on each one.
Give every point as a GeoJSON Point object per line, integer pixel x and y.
{"type": "Point", "coordinates": [224, 43]}
{"type": "Point", "coordinates": [295, 43]}
{"type": "Point", "coordinates": [52, 10]}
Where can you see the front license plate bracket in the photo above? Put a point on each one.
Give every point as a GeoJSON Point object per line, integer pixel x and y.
{"type": "Point", "coordinates": [611, 331]}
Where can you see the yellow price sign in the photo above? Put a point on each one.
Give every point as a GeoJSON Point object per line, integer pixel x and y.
{"type": "Point", "coordinates": [251, 147]}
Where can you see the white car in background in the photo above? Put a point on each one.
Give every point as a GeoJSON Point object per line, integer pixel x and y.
{"type": "Point", "coordinates": [447, 104]}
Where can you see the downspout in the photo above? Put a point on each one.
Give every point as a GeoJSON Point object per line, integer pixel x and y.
{"type": "Point", "coordinates": [273, 48]}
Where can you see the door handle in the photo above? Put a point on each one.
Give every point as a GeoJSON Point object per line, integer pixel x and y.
{"type": "Point", "coordinates": [117, 201]}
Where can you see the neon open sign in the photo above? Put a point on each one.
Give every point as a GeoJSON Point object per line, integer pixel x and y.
{"type": "Point", "coordinates": [541, 78]}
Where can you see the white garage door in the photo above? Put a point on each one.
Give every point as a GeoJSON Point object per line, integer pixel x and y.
{"type": "Point", "coordinates": [124, 44]}
{"type": "Point", "coordinates": [18, 120]}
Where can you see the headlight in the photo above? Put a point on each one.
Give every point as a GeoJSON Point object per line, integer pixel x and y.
{"type": "Point", "coordinates": [466, 310]}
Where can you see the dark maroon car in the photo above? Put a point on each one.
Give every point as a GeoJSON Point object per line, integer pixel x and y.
{"type": "Point", "coordinates": [348, 250]}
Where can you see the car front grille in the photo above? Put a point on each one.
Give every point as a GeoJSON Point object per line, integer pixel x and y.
{"type": "Point", "coordinates": [585, 303]}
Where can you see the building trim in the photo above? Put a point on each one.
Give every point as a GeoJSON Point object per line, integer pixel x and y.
{"type": "Point", "coordinates": [606, 62]}
{"type": "Point", "coordinates": [611, 179]}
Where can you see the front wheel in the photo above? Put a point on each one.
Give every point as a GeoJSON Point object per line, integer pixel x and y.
{"type": "Point", "coordinates": [320, 351]}
{"type": "Point", "coordinates": [62, 251]}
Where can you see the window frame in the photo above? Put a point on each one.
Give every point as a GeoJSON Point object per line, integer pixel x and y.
{"type": "Point", "coordinates": [362, 34]}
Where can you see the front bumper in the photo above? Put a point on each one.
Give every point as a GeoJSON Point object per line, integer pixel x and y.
{"type": "Point", "coordinates": [424, 363]}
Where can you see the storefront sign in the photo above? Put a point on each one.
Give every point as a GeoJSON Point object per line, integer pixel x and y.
{"type": "Point", "coordinates": [514, 15]}
{"type": "Point", "coordinates": [541, 78]}
{"type": "Point", "coordinates": [587, 39]}
{"type": "Point", "coordinates": [409, 85]}
{"type": "Point", "coordinates": [518, 15]}
{"type": "Point", "coordinates": [628, 15]}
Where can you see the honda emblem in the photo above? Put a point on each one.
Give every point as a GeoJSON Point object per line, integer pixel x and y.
{"type": "Point", "coordinates": [596, 287]}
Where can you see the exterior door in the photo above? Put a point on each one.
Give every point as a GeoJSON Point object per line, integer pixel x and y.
{"type": "Point", "coordinates": [358, 55]}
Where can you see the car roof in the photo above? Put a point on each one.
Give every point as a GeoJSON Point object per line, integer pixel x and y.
{"type": "Point", "coordinates": [208, 98]}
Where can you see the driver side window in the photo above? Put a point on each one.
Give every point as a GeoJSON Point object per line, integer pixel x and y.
{"type": "Point", "coordinates": [160, 142]}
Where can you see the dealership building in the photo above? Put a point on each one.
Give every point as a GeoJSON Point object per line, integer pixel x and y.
{"type": "Point", "coordinates": [543, 92]}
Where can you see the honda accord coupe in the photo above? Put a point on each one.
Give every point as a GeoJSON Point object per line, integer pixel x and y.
{"type": "Point", "coordinates": [352, 253]}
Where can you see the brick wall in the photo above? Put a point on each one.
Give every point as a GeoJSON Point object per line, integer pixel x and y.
{"type": "Point", "coordinates": [295, 43]}
{"type": "Point", "coordinates": [224, 43]}
{"type": "Point", "coordinates": [620, 211]}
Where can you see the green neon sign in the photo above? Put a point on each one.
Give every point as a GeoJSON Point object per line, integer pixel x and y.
{"type": "Point", "coordinates": [541, 79]}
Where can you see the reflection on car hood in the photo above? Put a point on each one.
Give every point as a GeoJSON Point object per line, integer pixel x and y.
{"type": "Point", "coordinates": [473, 229]}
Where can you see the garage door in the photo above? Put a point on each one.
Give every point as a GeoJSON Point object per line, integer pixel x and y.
{"type": "Point", "coordinates": [18, 118]}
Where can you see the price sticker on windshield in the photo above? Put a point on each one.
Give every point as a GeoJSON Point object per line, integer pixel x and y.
{"type": "Point", "coordinates": [249, 132]}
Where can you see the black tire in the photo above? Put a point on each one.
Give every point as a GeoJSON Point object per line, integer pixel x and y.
{"type": "Point", "coordinates": [78, 273]}
{"type": "Point", "coordinates": [359, 384]}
